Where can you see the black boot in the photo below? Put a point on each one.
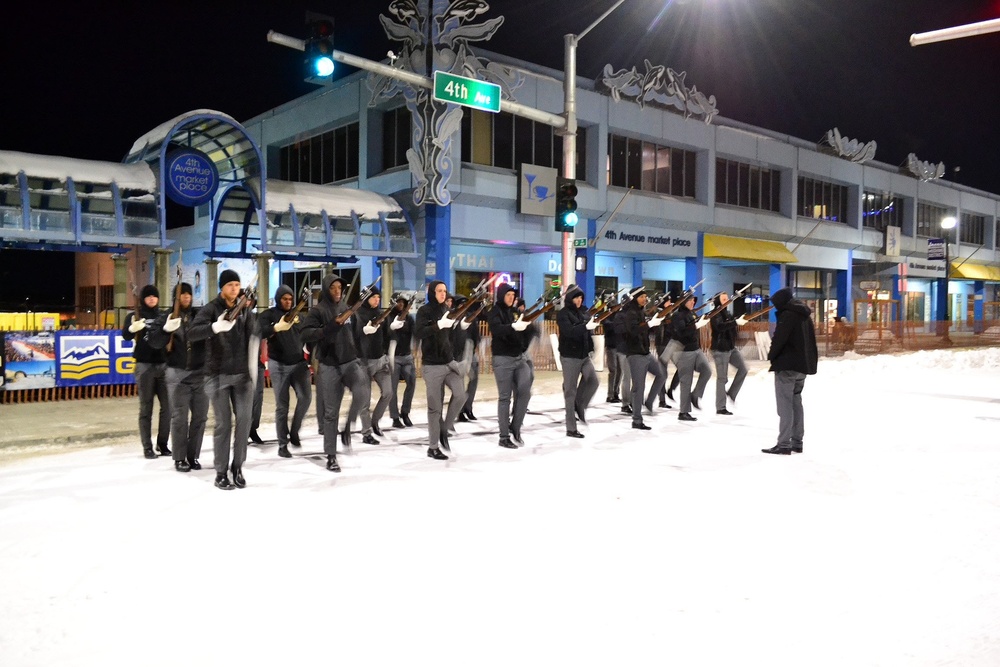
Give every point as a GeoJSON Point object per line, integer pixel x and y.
{"type": "Point", "coordinates": [694, 402]}
{"type": "Point", "coordinates": [471, 417]}
{"type": "Point", "coordinates": [626, 409]}
{"type": "Point", "coordinates": [462, 417]}
{"type": "Point", "coordinates": [436, 454]}
{"type": "Point", "coordinates": [515, 434]}
{"type": "Point", "coordinates": [686, 417]}
{"type": "Point", "coordinates": [293, 438]}
{"type": "Point", "coordinates": [163, 450]}
{"type": "Point", "coordinates": [254, 438]}
{"type": "Point", "coordinates": [376, 431]}
{"type": "Point", "coordinates": [797, 449]}
{"type": "Point", "coordinates": [148, 452]}
{"type": "Point", "coordinates": [370, 440]}
{"type": "Point", "coordinates": [443, 439]}
{"type": "Point", "coordinates": [345, 438]}
{"type": "Point", "coordinates": [642, 427]}
{"type": "Point", "coordinates": [580, 415]}
{"type": "Point", "coordinates": [222, 482]}
{"type": "Point", "coordinates": [283, 452]}
{"type": "Point", "coordinates": [238, 478]}
{"type": "Point", "coordinates": [406, 420]}
{"type": "Point", "coordinates": [194, 463]}
{"type": "Point", "coordinates": [331, 464]}
{"type": "Point", "coordinates": [614, 399]}
{"type": "Point", "coordinates": [397, 424]}
{"type": "Point", "coordinates": [506, 443]}
{"type": "Point", "coordinates": [574, 434]}
{"type": "Point", "coordinates": [723, 411]}
{"type": "Point", "coordinates": [182, 466]}
{"type": "Point", "coordinates": [778, 449]}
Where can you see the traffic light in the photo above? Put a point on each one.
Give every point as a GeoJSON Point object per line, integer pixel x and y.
{"type": "Point", "coordinates": [318, 63]}
{"type": "Point", "coordinates": [566, 217]}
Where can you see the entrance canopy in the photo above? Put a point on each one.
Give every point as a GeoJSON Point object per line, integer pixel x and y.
{"type": "Point", "coordinates": [969, 271]}
{"type": "Point", "coordinates": [731, 247]}
{"type": "Point", "coordinates": [59, 203]}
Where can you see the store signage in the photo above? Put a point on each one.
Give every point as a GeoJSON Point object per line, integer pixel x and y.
{"type": "Point", "coordinates": [536, 194]}
{"type": "Point", "coordinates": [641, 239]}
{"type": "Point", "coordinates": [467, 92]}
{"type": "Point", "coordinates": [191, 177]}
{"type": "Point", "coordinates": [935, 249]}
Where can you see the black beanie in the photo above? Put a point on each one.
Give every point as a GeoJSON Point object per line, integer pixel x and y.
{"type": "Point", "coordinates": [149, 290]}
{"type": "Point", "coordinates": [228, 276]}
{"type": "Point", "coordinates": [186, 288]}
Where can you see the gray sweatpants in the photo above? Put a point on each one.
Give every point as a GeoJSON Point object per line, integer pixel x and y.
{"type": "Point", "coordinates": [188, 411]}
{"type": "Point", "coordinates": [150, 382]}
{"type": "Point", "coordinates": [722, 363]}
{"type": "Point", "coordinates": [473, 386]}
{"type": "Point", "coordinates": [286, 377]}
{"type": "Point", "coordinates": [580, 383]}
{"type": "Point", "coordinates": [687, 364]}
{"type": "Point", "coordinates": [788, 387]}
{"type": "Point", "coordinates": [513, 376]}
{"type": "Point", "coordinates": [230, 394]}
{"type": "Point", "coordinates": [639, 365]}
{"type": "Point", "coordinates": [334, 380]}
{"type": "Point", "coordinates": [402, 368]}
{"type": "Point", "coordinates": [436, 378]}
{"type": "Point", "coordinates": [379, 373]}
{"type": "Point", "coordinates": [626, 387]}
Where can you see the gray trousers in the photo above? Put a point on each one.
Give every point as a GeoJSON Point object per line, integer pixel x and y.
{"type": "Point", "coordinates": [230, 394]}
{"type": "Point", "coordinates": [188, 411]}
{"type": "Point", "coordinates": [580, 383]}
{"type": "Point", "coordinates": [687, 364]}
{"type": "Point", "coordinates": [150, 379]}
{"type": "Point", "coordinates": [614, 372]}
{"type": "Point", "coordinates": [788, 387]}
{"type": "Point", "coordinates": [334, 380]}
{"type": "Point", "coordinates": [513, 376]}
{"type": "Point", "coordinates": [626, 386]}
{"type": "Point", "coordinates": [402, 368]}
{"type": "Point", "coordinates": [379, 373]}
{"type": "Point", "coordinates": [722, 363]}
{"type": "Point", "coordinates": [473, 386]}
{"type": "Point", "coordinates": [258, 400]}
{"type": "Point", "coordinates": [436, 378]}
{"type": "Point", "coordinates": [285, 377]}
{"type": "Point", "coordinates": [639, 365]}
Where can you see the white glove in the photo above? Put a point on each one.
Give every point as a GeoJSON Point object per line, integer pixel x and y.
{"type": "Point", "coordinates": [137, 326]}
{"type": "Point", "coordinates": [700, 323]}
{"type": "Point", "coordinates": [222, 325]}
{"type": "Point", "coordinates": [465, 325]}
{"type": "Point", "coordinates": [397, 324]}
{"type": "Point", "coordinates": [172, 324]}
{"type": "Point", "coordinates": [445, 322]}
{"type": "Point", "coordinates": [282, 325]}
{"type": "Point", "coordinates": [654, 321]}
{"type": "Point", "coordinates": [369, 329]}
{"type": "Point", "coordinates": [520, 325]}
{"type": "Point", "coordinates": [592, 324]}
{"type": "Point", "coordinates": [741, 320]}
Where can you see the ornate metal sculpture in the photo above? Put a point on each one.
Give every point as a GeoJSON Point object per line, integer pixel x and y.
{"type": "Point", "coordinates": [659, 85]}
{"type": "Point", "coordinates": [852, 149]}
{"type": "Point", "coordinates": [925, 171]}
{"type": "Point", "coordinates": [436, 36]}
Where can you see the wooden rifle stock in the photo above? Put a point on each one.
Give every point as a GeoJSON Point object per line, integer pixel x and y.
{"type": "Point", "coordinates": [610, 311]}
{"type": "Point", "coordinates": [531, 317]}
{"type": "Point", "coordinates": [469, 319]}
{"type": "Point", "coordinates": [366, 294]}
{"type": "Point", "coordinates": [299, 307]}
{"type": "Point", "coordinates": [758, 313]}
{"type": "Point", "coordinates": [460, 311]}
{"type": "Point", "coordinates": [176, 311]}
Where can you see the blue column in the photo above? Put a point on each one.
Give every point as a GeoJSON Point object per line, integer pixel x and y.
{"type": "Point", "coordinates": [775, 283]}
{"type": "Point", "coordinates": [979, 290]}
{"type": "Point", "coordinates": [437, 246]}
{"type": "Point", "coordinates": [897, 296]}
{"type": "Point", "coordinates": [845, 279]}
{"type": "Point", "coordinates": [694, 267]}
{"type": "Point", "coordinates": [636, 273]}
{"type": "Point", "coordinates": [585, 279]}
{"type": "Point", "coordinates": [939, 311]}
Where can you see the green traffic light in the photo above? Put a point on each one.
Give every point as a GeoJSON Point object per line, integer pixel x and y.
{"type": "Point", "coordinates": [570, 219]}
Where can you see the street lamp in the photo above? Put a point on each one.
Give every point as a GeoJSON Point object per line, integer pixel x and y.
{"type": "Point", "coordinates": [947, 224]}
{"type": "Point", "coordinates": [569, 134]}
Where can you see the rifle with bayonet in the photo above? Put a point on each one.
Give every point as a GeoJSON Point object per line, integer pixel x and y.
{"type": "Point", "coordinates": [621, 303]}
{"type": "Point", "coordinates": [246, 300]}
{"type": "Point", "coordinates": [669, 308]}
{"type": "Point", "coordinates": [747, 318]}
{"type": "Point", "coordinates": [480, 293]}
{"type": "Point", "coordinates": [598, 305]}
{"type": "Point", "coordinates": [300, 306]}
{"type": "Point", "coordinates": [549, 305]}
{"type": "Point", "coordinates": [483, 305]}
{"type": "Point", "coordinates": [177, 299]}
{"type": "Point", "coordinates": [721, 307]}
{"type": "Point", "coordinates": [366, 294]}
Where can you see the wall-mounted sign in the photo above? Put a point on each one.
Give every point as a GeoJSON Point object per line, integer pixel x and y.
{"type": "Point", "coordinates": [935, 249]}
{"type": "Point", "coordinates": [642, 239]}
{"type": "Point", "coordinates": [191, 178]}
{"type": "Point", "coordinates": [537, 190]}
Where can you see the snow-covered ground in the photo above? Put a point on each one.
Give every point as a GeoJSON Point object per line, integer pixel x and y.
{"type": "Point", "coordinates": [681, 546]}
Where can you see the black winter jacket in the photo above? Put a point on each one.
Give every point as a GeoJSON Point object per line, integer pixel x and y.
{"type": "Point", "coordinates": [506, 341]}
{"type": "Point", "coordinates": [285, 347]}
{"type": "Point", "coordinates": [683, 329]}
{"type": "Point", "coordinates": [143, 351]}
{"type": "Point", "coordinates": [793, 346]}
{"type": "Point", "coordinates": [185, 353]}
{"type": "Point", "coordinates": [334, 342]}
{"type": "Point", "coordinates": [724, 331]}
{"type": "Point", "coordinates": [227, 353]}
{"type": "Point", "coordinates": [435, 343]}
{"type": "Point", "coordinates": [575, 341]}
{"type": "Point", "coordinates": [635, 331]}
{"type": "Point", "coordinates": [370, 346]}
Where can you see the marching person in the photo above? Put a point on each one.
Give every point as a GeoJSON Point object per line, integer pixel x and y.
{"type": "Point", "coordinates": [401, 331]}
{"type": "Point", "coordinates": [185, 378]}
{"type": "Point", "coordinates": [511, 338]}
{"type": "Point", "coordinates": [724, 327]}
{"type": "Point", "coordinates": [610, 355]}
{"type": "Point", "coordinates": [685, 328]}
{"type": "Point", "coordinates": [340, 367]}
{"type": "Point", "coordinates": [793, 356]}
{"type": "Point", "coordinates": [372, 347]}
{"type": "Point", "coordinates": [465, 340]}
{"type": "Point", "coordinates": [580, 381]}
{"type": "Point", "coordinates": [150, 374]}
{"type": "Point", "coordinates": [640, 361]}
{"type": "Point", "coordinates": [616, 323]}
{"type": "Point", "coordinates": [230, 365]}
{"type": "Point", "coordinates": [432, 329]}
{"type": "Point", "coordinates": [287, 366]}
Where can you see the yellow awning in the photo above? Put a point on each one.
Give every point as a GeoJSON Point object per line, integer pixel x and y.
{"type": "Point", "coordinates": [730, 247]}
{"type": "Point", "coordinates": [971, 271]}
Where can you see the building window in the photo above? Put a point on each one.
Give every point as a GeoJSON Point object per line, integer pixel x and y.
{"type": "Point", "coordinates": [325, 158]}
{"type": "Point", "coordinates": [395, 137]}
{"type": "Point", "coordinates": [507, 141]}
{"type": "Point", "coordinates": [650, 167]}
{"type": "Point", "coordinates": [748, 186]}
{"type": "Point", "coordinates": [822, 200]}
{"type": "Point", "coordinates": [880, 210]}
{"type": "Point", "coordinates": [929, 217]}
{"type": "Point", "coordinates": [972, 229]}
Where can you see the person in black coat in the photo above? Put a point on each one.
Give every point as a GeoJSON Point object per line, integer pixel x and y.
{"type": "Point", "coordinates": [724, 352]}
{"type": "Point", "coordinates": [793, 356]}
{"type": "Point", "coordinates": [575, 345]}
{"type": "Point", "coordinates": [287, 366]}
{"type": "Point", "coordinates": [150, 374]}
{"type": "Point", "coordinates": [511, 337]}
{"type": "Point", "coordinates": [401, 356]}
{"type": "Point", "coordinates": [611, 356]}
{"type": "Point", "coordinates": [465, 339]}
{"type": "Point", "coordinates": [636, 331]}
{"type": "Point", "coordinates": [373, 345]}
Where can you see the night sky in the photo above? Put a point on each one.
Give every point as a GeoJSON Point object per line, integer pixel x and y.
{"type": "Point", "coordinates": [85, 82]}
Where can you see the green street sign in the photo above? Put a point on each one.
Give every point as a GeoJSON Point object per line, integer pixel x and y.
{"type": "Point", "coordinates": [579, 243]}
{"type": "Point", "coordinates": [467, 92]}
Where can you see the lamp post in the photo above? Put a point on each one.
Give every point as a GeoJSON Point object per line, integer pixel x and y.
{"type": "Point", "coordinates": [569, 135]}
{"type": "Point", "coordinates": [947, 224]}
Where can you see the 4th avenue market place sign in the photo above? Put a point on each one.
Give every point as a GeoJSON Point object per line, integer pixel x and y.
{"type": "Point", "coordinates": [467, 92]}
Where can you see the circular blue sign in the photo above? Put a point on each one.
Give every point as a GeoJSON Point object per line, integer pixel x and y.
{"type": "Point", "coordinates": [191, 178]}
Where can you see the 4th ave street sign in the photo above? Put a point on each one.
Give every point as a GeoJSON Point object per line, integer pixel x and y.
{"type": "Point", "coordinates": [467, 92]}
